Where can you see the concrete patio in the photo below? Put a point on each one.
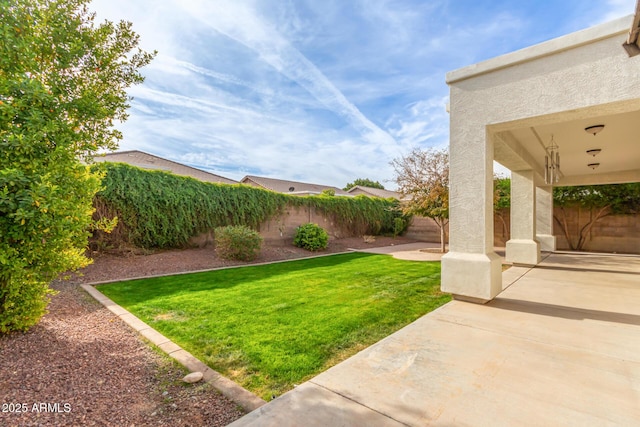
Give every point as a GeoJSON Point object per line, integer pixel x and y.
{"type": "Point", "coordinates": [559, 346]}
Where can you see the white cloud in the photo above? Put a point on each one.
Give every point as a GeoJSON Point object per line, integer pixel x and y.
{"type": "Point", "coordinates": [425, 123]}
{"type": "Point", "coordinates": [238, 22]}
{"type": "Point", "coordinates": [618, 8]}
{"type": "Point", "coordinates": [320, 91]}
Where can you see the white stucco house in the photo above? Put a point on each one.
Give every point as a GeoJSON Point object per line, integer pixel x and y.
{"type": "Point", "coordinates": [575, 99]}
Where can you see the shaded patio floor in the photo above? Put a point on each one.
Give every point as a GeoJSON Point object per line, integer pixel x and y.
{"type": "Point", "coordinates": [559, 346]}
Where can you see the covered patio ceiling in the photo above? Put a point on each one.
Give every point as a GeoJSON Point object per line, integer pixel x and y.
{"type": "Point", "coordinates": [523, 145]}
{"type": "Point", "coordinates": [520, 146]}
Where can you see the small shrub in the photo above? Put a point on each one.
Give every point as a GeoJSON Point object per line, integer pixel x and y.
{"type": "Point", "coordinates": [22, 303]}
{"type": "Point", "coordinates": [237, 242]}
{"type": "Point", "coordinates": [311, 237]}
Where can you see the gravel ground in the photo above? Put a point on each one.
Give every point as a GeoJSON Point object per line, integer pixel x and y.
{"type": "Point", "coordinates": [108, 266]}
{"type": "Point", "coordinates": [82, 366]}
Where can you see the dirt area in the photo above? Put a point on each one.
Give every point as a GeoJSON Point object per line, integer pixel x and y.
{"type": "Point", "coordinates": [83, 366]}
{"type": "Point", "coordinates": [129, 265]}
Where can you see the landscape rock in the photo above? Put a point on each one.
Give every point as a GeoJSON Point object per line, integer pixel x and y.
{"type": "Point", "coordinates": [193, 377]}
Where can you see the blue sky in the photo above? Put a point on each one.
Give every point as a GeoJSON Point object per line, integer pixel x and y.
{"type": "Point", "coordinates": [322, 91]}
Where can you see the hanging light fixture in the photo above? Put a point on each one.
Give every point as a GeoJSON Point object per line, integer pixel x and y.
{"type": "Point", "coordinates": [594, 152]}
{"type": "Point", "coordinates": [552, 163]}
{"type": "Point", "coordinates": [595, 129]}
{"type": "Point", "coordinates": [593, 165]}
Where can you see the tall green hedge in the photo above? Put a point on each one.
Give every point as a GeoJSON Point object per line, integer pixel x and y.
{"type": "Point", "coordinates": [157, 209]}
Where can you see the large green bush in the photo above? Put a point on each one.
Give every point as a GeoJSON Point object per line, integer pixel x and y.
{"type": "Point", "coordinates": [63, 83]}
{"type": "Point", "coordinates": [237, 242]}
{"type": "Point", "coordinates": [157, 209]}
{"type": "Point", "coordinates": [311, 237]}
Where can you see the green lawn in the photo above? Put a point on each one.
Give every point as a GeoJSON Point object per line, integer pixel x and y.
{"type": "Point", "coordinates": [272, 326]}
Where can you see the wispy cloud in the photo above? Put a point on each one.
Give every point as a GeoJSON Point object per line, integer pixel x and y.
{"type": "Point", "coordinates": [240, 23]}
{"type": "Point", "coordinates": [618, 8]}
{"type": "Point", "coordinates": [321, 91]}
{"type": "Point", "coordinates": [426, 124]}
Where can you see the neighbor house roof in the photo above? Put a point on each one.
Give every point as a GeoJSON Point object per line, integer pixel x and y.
{"type": "Point", "coordinates": [375, 192]}
{"type": "Point", "coordinates": [149, 161]}
{"type": "Point", "coordinates": [290, 187]}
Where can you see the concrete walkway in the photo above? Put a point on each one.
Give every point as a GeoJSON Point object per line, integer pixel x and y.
{"type": "Point", "coordinates": [419, 251]}
{"type": "Point", "coordinates": [560, 346]}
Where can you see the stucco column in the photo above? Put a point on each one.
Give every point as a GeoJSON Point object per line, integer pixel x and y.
{"type": "Point", "coordinates": [471, 270]}
{"type": "Point", "coordinates": [544, 218]}
{"type": "Point", "coordinates": [523, 248]}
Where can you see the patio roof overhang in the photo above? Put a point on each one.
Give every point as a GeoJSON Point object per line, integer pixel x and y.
{"type": "Point", "coordinates": [510, 109]}
{"type": "Point", "coordinates": [521, 144]}
{"type": "Point", "coordinates": [632, 45]}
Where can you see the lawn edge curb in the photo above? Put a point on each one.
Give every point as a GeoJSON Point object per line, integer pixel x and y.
{"type": "Point", "coordinates": [241, 396]}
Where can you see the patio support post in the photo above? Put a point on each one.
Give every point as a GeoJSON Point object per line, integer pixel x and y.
{"type": "Point", "coordinates": [544, 218]}
{"type": "Point", "coordinates": [471, 270]}
{"type": "Point", "coordinates": [523, 248]}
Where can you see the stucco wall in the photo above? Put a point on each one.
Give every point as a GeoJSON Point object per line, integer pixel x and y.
{"type": "Point", "coordinates": [614, 233]}
{"type": "Point", "coordinates": [424, 229]}
{"type": "Point", "coordinates": [281, 230]}
{"type": "Point", "coordinates": [562, 82]}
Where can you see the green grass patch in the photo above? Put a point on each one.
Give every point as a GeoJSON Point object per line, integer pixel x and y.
{"type": "Point", "coordinates": [272, 326]}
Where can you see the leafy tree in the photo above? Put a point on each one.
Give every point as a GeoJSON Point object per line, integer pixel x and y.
{"type": "Point", "coordinates": [422, 177]}
{"type": "Point", "coordinates": [364, 182]}
{"type": "Point", "coordinates": [63, 81]}
{"type": "Point", "coordinates": [502, 200]}
{"type": "Point", "coordinates": [599, 200]}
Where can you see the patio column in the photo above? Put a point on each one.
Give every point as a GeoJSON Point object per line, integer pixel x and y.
{"type": "Point", "coordinates": [523, 247]}
{"type": "Point", "coordinates": [544, 218]}
{"type": "Point", "coordinates": [471, 270]}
